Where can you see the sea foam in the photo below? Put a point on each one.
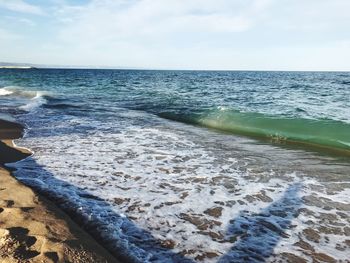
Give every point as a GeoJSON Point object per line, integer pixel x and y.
{"type": "Point", "coordinates": [163, 191]}
{"type": "Point", "coordinates": [5, 92]}
{"type": "Point", "coordinates": [160, 193]}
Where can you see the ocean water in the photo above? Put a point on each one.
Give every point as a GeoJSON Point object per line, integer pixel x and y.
{"type": "Point", "coordinates": [191, 166]}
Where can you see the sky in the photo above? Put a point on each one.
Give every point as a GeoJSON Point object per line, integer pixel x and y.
{"type": "Point", "coordinates": [178, 34]}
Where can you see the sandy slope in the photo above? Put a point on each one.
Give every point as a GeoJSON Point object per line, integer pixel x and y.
{"type": "Point", "coordinates": [32, 229]}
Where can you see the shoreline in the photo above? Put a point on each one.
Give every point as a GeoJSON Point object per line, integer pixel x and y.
{"type": "Point", "coordinates": [32, 228]}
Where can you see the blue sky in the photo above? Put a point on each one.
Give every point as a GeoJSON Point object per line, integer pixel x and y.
{"type": "Point", "coordinates": [178, 34]}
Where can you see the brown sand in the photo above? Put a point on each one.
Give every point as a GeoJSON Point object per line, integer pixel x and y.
{"type": "Point", "coordinates": [33, 229]}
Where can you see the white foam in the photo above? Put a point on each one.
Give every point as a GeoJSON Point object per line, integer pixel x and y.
{"type": "Point", "coordinates": [33, 99]}
{"type": "Point", "coordinates": [161, 178]}
{"type": "Point", "coordinates": [24, 148]}
{"type": "Point", "coordinates": [36, 102]}
{"type": "Point", "coordinates": [5, 92]}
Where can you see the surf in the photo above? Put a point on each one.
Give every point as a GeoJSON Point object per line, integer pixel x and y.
{"type": "Point", "coordinates": [34, 99]}
{"type": "Point", "coordinates": [320, 133]}
{"type": "Point", "coordinates": [5, 91]}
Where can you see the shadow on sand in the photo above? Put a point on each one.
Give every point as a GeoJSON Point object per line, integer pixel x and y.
{"type": "Point", "coordinates": [256, 235]}
{"type": "Point", "coordinates": [253, 236]}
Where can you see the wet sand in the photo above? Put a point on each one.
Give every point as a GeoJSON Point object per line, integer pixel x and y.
{"type": "Point", "coordinates": [33, 229]}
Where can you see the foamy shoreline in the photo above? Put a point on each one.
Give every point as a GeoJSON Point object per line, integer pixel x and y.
{"type": "Point", "coordinates": [31, 227]}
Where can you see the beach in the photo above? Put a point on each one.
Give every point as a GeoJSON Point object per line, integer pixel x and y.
{"type": "Point", "coordinates": [33, 229]}
{"type": "Point", "coordinates": [185, 166]}
{"type": "Point", "coordinates": [175, 131]}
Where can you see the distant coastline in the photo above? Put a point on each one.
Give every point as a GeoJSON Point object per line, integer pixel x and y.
{"type": "Point", "coordinates": [17, 67]}
{"type": "Point", "coordinates": [11, 65]}
{"type": "Point", "coordinates": [14, 65]}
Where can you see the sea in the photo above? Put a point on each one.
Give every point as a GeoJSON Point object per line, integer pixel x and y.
{"type": "Point", "coordinates": [191, 166]}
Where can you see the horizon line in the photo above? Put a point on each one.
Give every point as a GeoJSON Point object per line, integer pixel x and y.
{"type": "Point", "coordinates": [44, 66]}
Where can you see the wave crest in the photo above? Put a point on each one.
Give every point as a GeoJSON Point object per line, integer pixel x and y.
{"type": "Point", "coordinates": [36, 98]}
{"type": "Point", "coordinates": [22, 92]}
{"type": "Point", "coordinates": [320, 133]}
{"type": "Point", "coordinates": [5, 92]}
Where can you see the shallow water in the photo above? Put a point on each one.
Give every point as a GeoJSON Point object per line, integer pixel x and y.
{"type": "Point", "coordinates": [161, 190]}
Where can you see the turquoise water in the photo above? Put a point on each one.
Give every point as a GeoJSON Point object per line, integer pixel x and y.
{"type": "Point", "coordinates": [311, 108]}
{"type": "Point", "coordinates": [187, 166]}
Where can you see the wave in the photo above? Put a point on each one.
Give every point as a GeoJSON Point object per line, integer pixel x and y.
{"type": "Point", "coordinates": [5, 92]}
{"type": "Point", "coordinates": [34, 103]}
{"type": "Point", "coordinates": [345, 82]}
{"type": "Point", "coordinates": [22, 92]}
{"type": "Point", "coordinates": [321, 133]}
{"type": "Point", "coordinates": [36, 98]}
{"type": "Point", "coordinates": [62, 106]}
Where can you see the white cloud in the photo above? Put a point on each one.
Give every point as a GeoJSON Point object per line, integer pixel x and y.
{"type": "Point", "coordinates": [14, 19]}
{"type": "Point", "coordinates": [26, 22]}
{"type": "Point", "coordinates": [115, 20]}
{"type": "Point", "coordinates": [198, 34]}
{"type": "Point", "coordinates": [21, 6]}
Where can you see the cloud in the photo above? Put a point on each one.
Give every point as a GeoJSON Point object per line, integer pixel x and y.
{"type": "Point", "coordinates": [152, 33]}
{"type": "Point", "coordinates": [21, 6]}
{"type": "Point", "coordinates": [117, 20]}
{"type": "Point", "coordinates": [17, 20]}
{"type": "Point", "coordinates": [26, 22]}
{"type": "Point", "coordinates": [200, 34]}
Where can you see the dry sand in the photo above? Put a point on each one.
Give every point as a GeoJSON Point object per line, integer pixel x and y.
{"type": "Point", "coordinates": [33, 229]}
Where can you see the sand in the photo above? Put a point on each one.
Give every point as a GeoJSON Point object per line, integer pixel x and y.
{"type": "Point", "coordinates": [33, 229]}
